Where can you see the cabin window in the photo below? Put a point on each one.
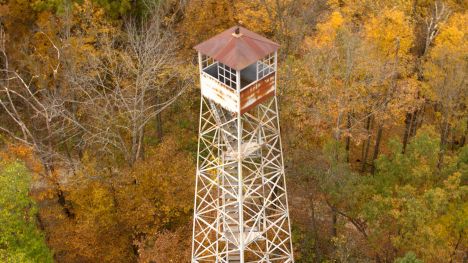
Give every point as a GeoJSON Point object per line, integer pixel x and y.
{"type": "Point", "coordinates": [265, 66]}
{"type": "Point", "coordinates": [227, 75]}
{"type": "Point", "coordinates": [207, 61]}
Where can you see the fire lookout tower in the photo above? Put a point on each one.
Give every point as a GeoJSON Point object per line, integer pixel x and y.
{"type": "Point", "coordinates": [241, 209]}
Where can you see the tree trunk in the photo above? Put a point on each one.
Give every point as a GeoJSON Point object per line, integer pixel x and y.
{"type": "Point", "coordinates": [408, 122]}
{"type": "Point", "coordinates": [142, 144]}
{"type": "Point", "coordinates": [365, 146]}
{"type": "Point", "coordinates": [463, 138]}
{"type": "Point", "coordinates": [334, 222]}
{"type": "Point", "coordinates": [443, 142]}
{"type": "Point", "coordinates": [389, 94]}
{"type": "Point", "coordinates": [413, 122]}
{"type": "Point", "coordinates": [459, 239]}
{"type": "Point", "coordinates": [159, 126]}
{"type": "Point", "coordinates": [418, 120]}
{"type": "Point", "coordinates": [376, 147]}
{"type": "Point", "coordinates": [133, 150]}
{"type": "Point", "coordinates": [452, 141]}
{"type": "Point", "coordinates": [348, 137]}
{"type": "Point", "coordinates": [318, 255]}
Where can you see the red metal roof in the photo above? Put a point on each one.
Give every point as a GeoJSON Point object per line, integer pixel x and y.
{"type": "Point", "coordinates": [239, 51]}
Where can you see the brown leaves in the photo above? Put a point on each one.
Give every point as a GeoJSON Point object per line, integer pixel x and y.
{"type": "Point", "coordinates": [165, 246]}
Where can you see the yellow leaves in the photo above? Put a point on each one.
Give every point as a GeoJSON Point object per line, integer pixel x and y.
{"type": "Point", "coordinates": [454, 31]}
{"type": "Point", "coordinates": [362, 9]}
{"type": "Point", "coordinates": [327, 31]}
{"type": "Point", "coordinates": [389, 29]}
{"type": "Point", "coordinates": [94, 202]}
{"type": "Point", "coordinates": [445, 69]}
{"type": "Point", "coordinates": [160, 247]}
{"type": "Point", "coordinates": [452, 37]}
{"type": "Point", "coordinates": [452, 40]}
{"type": "Point", "coordinates": [334, 3]}
{"type": "Point", "coordinates": [336, 20]}
{"type": "Point", "coordinates": [254, 15]}
{"type": "Point", "coordinates": [204, 19]}
{"type": "Point", "coordinates": [158, 190]}
{"type": "Point", "coordinates": [45, 195]}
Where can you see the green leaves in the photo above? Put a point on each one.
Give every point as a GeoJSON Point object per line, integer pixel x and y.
{"type": "Point", "coordinates": [113, 8]}
{"type": "Point", "coordinates": [20, 239]}
{"type": "Point", "coordinates": [409, 257]}
{"type": "Point", "coordinates": [419, 205]}
{"type": "Point", "coordinates": [410, 204]}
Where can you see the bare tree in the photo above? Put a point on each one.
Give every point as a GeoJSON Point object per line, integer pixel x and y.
{"type": "Point", "coordinates": [31, 115]}
{"type": "Point", "coordinates": [34, 116]}
{"type": "Point", "coordinates": [136, 78]}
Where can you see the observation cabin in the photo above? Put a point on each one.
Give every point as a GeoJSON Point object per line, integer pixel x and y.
{"type": "Point", "coordinates": [237, 69]}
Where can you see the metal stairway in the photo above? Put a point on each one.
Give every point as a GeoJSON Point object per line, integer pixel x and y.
{"type": "Point", "coordinates": [229, 181]}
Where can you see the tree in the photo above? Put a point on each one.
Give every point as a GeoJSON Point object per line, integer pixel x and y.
{"type": "Point", "coordinates": [82, 84]}
{"type": "Point", "coordinates": [390, 38]}
{"type": "Point", "coordinates": [409, 205]}
{"type": "Point", "coordinates": [409, 257]}
{"type": "Point", "coordinates": [117, 212]}
{"type": "Point", "coordinates": [30, 111]}
{"type": "Point", "coordinates": [427, 27]}
{"type": "Point", "coordinates": [90, 90]}
{"type": "Point", "coordinates": [163, 245]}
{"type": "Point", "coordinates": [202, 20]}
{"type": "Point", "coordinates": [445, 72]}
{"type": "Point", "coordinates": [284, 21]}
{"type": "Point", "coordinates": [415, 207]}
{"type": "Point", "coordinates": [21, 240]}
{"type": "Point", "coordinates": [86, 88]}
{"type": "Point", "coordinates": [132, 84]}
{"type": "Point", "coordinates": [334, 76]}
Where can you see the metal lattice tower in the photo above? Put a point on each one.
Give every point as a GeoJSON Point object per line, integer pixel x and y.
{"type": "Point", "coordinates": [241, 209]}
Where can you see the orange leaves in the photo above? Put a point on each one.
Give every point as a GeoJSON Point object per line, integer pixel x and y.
{"type": "Point", "coordinates": [21, 151]}
{"type": "Point", "coordinates": [24, 153]}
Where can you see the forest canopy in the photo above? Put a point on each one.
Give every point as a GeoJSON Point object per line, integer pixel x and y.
{"type": "Point", "coordinates": [99, 108]}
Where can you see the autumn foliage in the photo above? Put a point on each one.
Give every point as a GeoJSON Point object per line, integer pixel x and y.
{"type": "Point", "coordinates": [99, 115]}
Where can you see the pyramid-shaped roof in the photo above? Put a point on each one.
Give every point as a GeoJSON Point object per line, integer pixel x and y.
{"type": "Point", "coordinates": [237, 50]}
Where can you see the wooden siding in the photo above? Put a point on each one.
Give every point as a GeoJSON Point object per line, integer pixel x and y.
{"type": "Point", "coordinates": [257, 93]}
{"type": "Point", "coordinates": [228, 98]}
{"type": "Point", "coordinates": [214, 90]}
